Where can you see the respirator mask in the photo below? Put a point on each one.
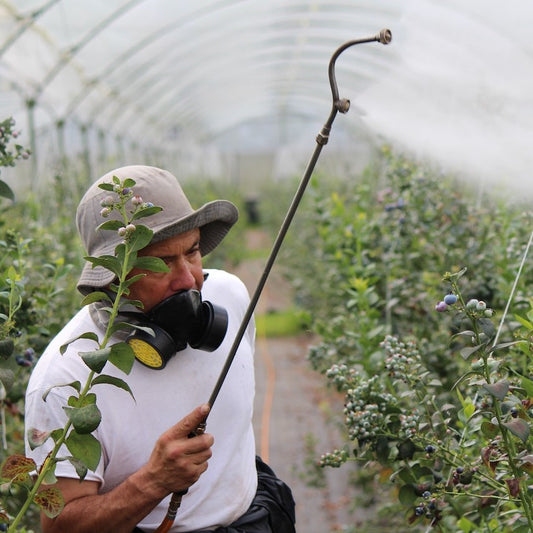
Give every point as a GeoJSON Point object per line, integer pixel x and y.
{"type": "Point", "coordinates": [180, 320]}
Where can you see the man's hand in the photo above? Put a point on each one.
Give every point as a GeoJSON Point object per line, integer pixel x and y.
{"type": "Point", "coordinates": [176, 462]}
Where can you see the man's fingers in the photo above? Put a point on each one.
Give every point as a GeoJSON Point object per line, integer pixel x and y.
{"type": "Point", "coordinates": [190, 423]}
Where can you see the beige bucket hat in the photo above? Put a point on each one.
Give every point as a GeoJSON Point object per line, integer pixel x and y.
{"type": "Point", "coordinates": [161, 188]}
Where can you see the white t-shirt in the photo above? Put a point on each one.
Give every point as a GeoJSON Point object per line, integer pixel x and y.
{"type": "Point", "coordinates": [130, 427]}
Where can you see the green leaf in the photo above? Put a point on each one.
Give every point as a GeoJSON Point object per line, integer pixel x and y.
{"type": "Point", "coordinates": [129, 183]}
{"type": "Point", "coordinates": [56, 434]}
{"type": "Point", "coordinates": [50, 476]}
{"type": "Point", "coordinates": [406, 449]}
{"type": "Point", "coordinates": [121, 326]}
{"type": "Point", "coordinates": [406, 475]}
{"type": "Point", "coordinates": [466, 525]}
{"type": "Point", "coordinates": [130, 281]}
{"type": "Point", "coordinates": [469, 350]}
{"type": "Point", "coordinates": [146, 212]}
{"type": "Point", "coordinates": [469, 409]}
{"type": "Point", "coordinates": [487, 327]}
{"type": "Point", "coordinates": [85, 448]}
{"type": "Point", "coordinates": [465, 333]}
{"type": "Point", "coordinates": [88, 335]}
{"type": "Point", "coordinates": [464, 377]}
{"type": "Point", "coordinates": [498, 390]}
{"type": "Point", "coordinates": [526, 323]}
{"type": "Point", "coordinates": [109, 262]}
{"type": "Point", "coordinates": [140, 238]}
{"type": "Point", "coordinates": [134, 303]}
{"type": "Point", "coordinates": [146, 329]}
{"type": "Point", "coordinates": [95, 296]}
{"type": "Point", "coordinates": [106, 187]}
{"type": "Point", "coordinates": [382, 450]}
{"type": "Point", "coordinates": [519, 527]}
{"type": "Point", "coordinates": [526, 463]}
{"type": "Point", "coordinates": [489, 429]}
{"type": "Point", "coordinates": [36, 437]}
{"type": "Point", "coordinates": [527, 384]}
{"type": "Point", "coordinates": [407, 495]}
{"type": "Point", "coordinates": [110, 225]}
{"type": "Point", "coordinates": [74, 384]}
{"type": "Point", "coordinates": [97, 359]}
{"type": "Point", "coordinates": [504, 345]}
{"type": "Point", "coordinates": [154, 264]}
{"type": "Point", "coordinates": [7, 347]}
{"type": "Point", "coordinates": [120, 252]}
{"type": "Point", "coordinates": [519, 428]}
{"type": "Point", "coordinates": [50, 501]}
{"type": "Point", "coordinates": [84, 419]}
{"type": "Point", "coordinates": [80, 467]}
{"type": "Point", "coordinates": [7, 377]}
{"type": "Point", "coordinates": [111, 380]}
{"type": "Point", "coordinates": [89, 399]}
{"type": "Point", "coordinates": [122, 356]}
{"type": "Point", "coordinates": [5, 191]}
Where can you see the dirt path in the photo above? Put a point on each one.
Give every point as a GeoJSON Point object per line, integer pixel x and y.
{"type": "Point", "coordinates": [291, 414]}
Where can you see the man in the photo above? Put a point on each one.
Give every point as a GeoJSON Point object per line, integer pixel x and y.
{"type": "Point", "coordinates": [146, 455]}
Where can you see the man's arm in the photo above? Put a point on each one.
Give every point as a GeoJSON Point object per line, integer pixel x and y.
{"type": "Point", "coordinates": [175, 464]}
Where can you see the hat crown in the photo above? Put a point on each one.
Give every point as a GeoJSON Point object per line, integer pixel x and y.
{"type": "Point", "coordinates": [152, 184]}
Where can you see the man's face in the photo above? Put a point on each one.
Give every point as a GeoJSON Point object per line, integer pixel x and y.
{"type": "Point", "coordinates": [181, 254]}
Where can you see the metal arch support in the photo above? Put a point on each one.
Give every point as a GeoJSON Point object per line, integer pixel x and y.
{"type": "Point", "coordinates": [73, 50]}
{"type": "Point", "coordinates": [26, 24]}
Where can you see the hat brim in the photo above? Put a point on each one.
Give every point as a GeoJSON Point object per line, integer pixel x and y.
{"type": "Point", "coordinates": [214, 220]}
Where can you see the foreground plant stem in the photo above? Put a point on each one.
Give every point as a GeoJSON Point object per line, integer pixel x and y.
{"type": "Point", "coordinates": [51, 459]}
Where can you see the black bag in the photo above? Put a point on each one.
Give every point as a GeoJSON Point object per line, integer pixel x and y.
{"type": "Point", "coordinates": [271, 511]}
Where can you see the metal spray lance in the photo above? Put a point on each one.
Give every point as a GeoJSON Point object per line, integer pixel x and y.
{"type": "Point", "coordinates": [341, 105]}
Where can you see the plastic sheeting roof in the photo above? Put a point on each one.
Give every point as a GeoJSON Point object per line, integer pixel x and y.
{"type": "Point", "coordinates": [251, 75]}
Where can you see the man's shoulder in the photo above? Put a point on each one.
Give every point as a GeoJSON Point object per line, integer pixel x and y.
{"type": "Point", "coordinates": [221, 278]}
{"type": "Point", "coordinates": [223, 284]}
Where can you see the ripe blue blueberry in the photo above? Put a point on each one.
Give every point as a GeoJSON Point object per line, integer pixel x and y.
{"type": "Point", "coordinates": [450, 299]}
{"type": "Point", "coordinates": [430, 448]}
{"type": "Point", "coordinates": [19, 359]}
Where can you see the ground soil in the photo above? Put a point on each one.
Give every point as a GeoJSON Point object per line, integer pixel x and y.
{"type": "Point", "coordinates": [293, 422]}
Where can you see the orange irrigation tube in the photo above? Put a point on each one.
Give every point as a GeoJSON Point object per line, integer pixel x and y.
{"type": "Point", "coordinates": [268, 400]}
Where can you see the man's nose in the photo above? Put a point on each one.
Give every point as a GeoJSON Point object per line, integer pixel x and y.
{"type": "Point", "coordinates": [181, 276]}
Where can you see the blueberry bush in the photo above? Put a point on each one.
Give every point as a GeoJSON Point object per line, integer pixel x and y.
{"type": "Point", "coordinates": [416, 286]}
{"type": "Point", "coordinates": [407, 283]}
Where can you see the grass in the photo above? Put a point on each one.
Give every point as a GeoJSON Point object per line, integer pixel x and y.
{"type": "Point", "coordinates": [281, 323]}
